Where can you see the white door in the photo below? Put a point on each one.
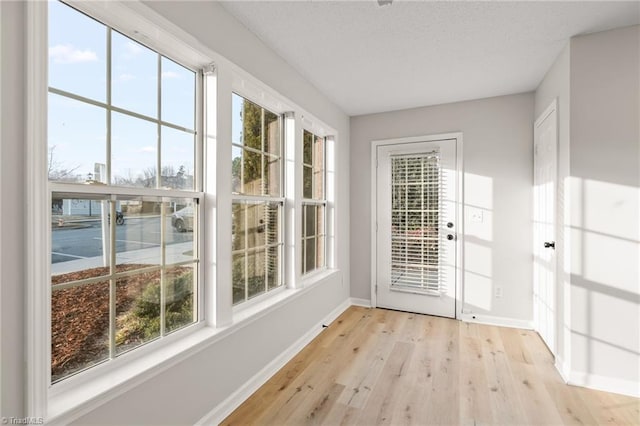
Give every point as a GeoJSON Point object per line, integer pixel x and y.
{"type": "Point", "coordinates": [416, 213]}
{"type": "Point", "coordinates": [544, 225]}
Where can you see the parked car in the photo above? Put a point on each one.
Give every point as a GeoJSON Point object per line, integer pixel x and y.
{"type": "Point", "coordinates": [182, 220]}
{"type": "Point", "coordinates": [119, 218]}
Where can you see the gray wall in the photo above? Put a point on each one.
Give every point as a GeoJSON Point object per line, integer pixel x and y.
{"type": "Point", "coordinates": [596, 80]}
{"type": "Point", "coordinates": [498, 176]}
{"type": "Point", "coordinates": [12, 210]}
{"type": "Point", "coordinates": [187, 391]}
{"type": "Point", "coordinates": [555, 85]}
{"type": "Point", "coordinates": [605, 179]}
{"type": "Point", "coordinates": [196, 385]}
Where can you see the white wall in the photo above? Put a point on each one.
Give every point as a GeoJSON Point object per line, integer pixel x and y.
{"type": "Point", "coordinates": [596, 80]}
{"type": "Point", "coordinates": [498, 176]}
{"type": "Point", "coordinates": [190, 389]}
{"type": "Point", "coordinates": [605, 209]}
{"type": "Point", "coordinates": [556, 85]}
{"type": "Point", "coordinates": [12, 210]}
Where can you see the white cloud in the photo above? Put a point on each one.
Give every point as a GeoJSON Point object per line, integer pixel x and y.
{"type": "Point", "coordinates": [151, 149]}
{"type": "Point", "coordinates": [126, 77]}
{"type": "Point", "coordinates": [170, 74]}
{"type": "Point", "coordinates": [134, 48]}
{"type": "Point", "coordinates": [67, 54]}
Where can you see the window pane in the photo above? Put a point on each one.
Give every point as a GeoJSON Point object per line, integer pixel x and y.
{"type": "Point", "coordinates": [79, 326]}
{"type": "Point", "coordinates": [252, 169]}
{"type": "Point", "coordinates": [307, 182]}
{"type": "Point", "coordinates": [256, 268]}
{"type": "Point", "coordinates": [310, 220]}
{"type": "Point", "coordinates": [178, 94]}
{"type": "Point", "coordinates": [256, 169]}
{"type": "Point", "coordinates": [320, 252]}
{"type": "Point", "coordinates": [318, 169]}
{"type": "Point", "coordinates": [251, 125]}
{"type": "Point", "coordinates": [134, 144]}
{"type": "Point", "coordinates": [313, 234]}
{"type": "Point", "coordinates": [134, 76]}
{"type": "Point", "coordinates": [256, 240]}
{"type": "Point", "coordinates": [272, 224]}
{"type": "Point", "coordinates": [178, 158]}
{"type": "Point", "coordinates": [77, 140]}
{"type": "Point", "coordinates": [179, 291]}
{"type": "Point", "coordinates": [320, 220]}
{"type": "Point", "coordinates": [304, 257]}
{"type": "Point", "coordinates": [77, 52]}
{"type": "Point", "coordinates": [79, 239]}
{"type": "Point", "coordinates": [272, 133]}
{"type": "Point", "coordinates": [236, 119]}
{"type": "Point", "coordinates": [256, 214]}
{"type": "Point", "coordinates": [238, 230]}
{"type": "Point", "coordinates": [238, 277]}
{"type": "Point", "coordinates": [310, 254]}
{"type": "Point", "coordinates": [307, 151]}
{"type": "Point", "coordinates": [137, 310]}
{"type": "Point", "coordinates": [273, 267]}
{"type": "Point", "coordinates": [180, 221]}
{"type": "Point", "coordinates": [236, 170]}
{"type": "Point", "coordinates": [138, 239]}
{"type": "Point", "coordinates": [272, 175]}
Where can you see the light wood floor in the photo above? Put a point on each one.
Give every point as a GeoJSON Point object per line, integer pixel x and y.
{"type": "Point", "coordinates": [375, 367]}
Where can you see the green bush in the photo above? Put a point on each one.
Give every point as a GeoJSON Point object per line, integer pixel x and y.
{"type": "Point", "coordinates": [178, 305]}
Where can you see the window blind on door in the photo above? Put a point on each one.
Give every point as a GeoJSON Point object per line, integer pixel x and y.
{"type": "Point", "coordinates": [416, 211]}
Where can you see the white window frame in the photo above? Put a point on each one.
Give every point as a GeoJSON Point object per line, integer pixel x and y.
{"type": "Point", "coordinates": [45, 399]}
{"type": "Point", "coordinates": [240, 198]}
{"type": "Point", "coordinates": [113, 192]}
{"type": "Point", "coordinates": [315, 202]}
{"type": "Point", "coordinates": [82, 393]}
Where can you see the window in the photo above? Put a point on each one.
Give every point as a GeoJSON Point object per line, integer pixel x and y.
{"type": "Point", "coordinates": [124, 245]}
{"type": "Point", "coordinates": [257, 200]}
{"type": "Point", "coordinates": [314, 202]}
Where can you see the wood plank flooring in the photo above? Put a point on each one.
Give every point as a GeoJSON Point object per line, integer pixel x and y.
{"type": "Point", "coordinates": [381, 367]}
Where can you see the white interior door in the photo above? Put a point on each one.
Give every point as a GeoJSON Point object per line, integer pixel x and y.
{"type": "Point", "coordinates": [544, 219]}
{"type": "Point", "coordinates": [416, 211]}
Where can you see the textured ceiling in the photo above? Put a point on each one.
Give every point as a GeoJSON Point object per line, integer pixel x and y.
{"type": "Point", "coordinates": [368, 58]}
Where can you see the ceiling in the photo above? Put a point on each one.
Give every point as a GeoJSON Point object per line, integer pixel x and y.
{"type": "Point", "coordinates": [368, 58]}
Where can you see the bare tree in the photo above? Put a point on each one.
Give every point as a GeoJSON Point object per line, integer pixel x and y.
{"type": "Point", "coordinates": [56, 169]}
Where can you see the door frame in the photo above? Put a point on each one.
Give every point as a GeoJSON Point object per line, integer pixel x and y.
{"type": "Point", "coordinates": [552, 108]}
{"type": "Point", "coordinates": [459, 278]}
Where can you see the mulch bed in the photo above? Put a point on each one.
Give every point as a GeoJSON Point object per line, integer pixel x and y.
{"type": "Point", "coordinates": [80, 316]}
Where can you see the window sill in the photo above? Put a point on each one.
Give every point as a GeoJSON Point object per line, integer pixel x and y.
{"type": "Point", "coordinates": [78, 395]}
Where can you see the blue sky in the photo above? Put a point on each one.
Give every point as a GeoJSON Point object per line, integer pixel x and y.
{"type": "Point", "coordinates": [78, 131]}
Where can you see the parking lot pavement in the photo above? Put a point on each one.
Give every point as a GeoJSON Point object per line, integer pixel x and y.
{"type": "Point", "coordinates": [151, 256]}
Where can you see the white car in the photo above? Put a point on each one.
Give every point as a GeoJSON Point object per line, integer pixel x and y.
{"type": "Point", "coordinates": [182, 220]}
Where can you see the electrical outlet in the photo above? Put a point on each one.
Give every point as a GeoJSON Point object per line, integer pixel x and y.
{"type": "Point", "coordinates": [498, 292]}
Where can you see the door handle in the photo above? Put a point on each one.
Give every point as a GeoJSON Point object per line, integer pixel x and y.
{"type": "Point", "coordinates": [450, 237]}
{"type": "Point", "coordinates": [550, 244]}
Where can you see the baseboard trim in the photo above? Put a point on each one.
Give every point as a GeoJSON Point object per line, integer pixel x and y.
{"type": "Point", "coordinates": [499, 321]}
{"type": "Point", "coordinates": [226, 407]}
{"type": "Point", "coordinates": [604, 383]}
{"type": "Point", "coordinates": [563, 369]}
{"type": "Point", "coordinates": [360, 302]}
